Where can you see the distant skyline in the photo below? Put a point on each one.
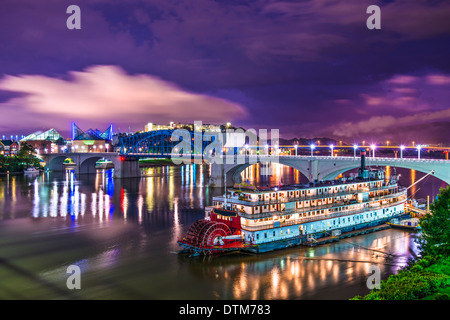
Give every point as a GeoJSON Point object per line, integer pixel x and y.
{"type": "Point", "coordinates": [309, 68]}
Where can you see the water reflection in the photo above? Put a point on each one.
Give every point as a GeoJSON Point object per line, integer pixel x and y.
{"type": "Point", "coordinates": [272, 174]}
{"type": "Point", "coordinates": [103, 197]}
{"type": "Point", "coordinates": [126, 230]}
{"type": "Point", "coordinates": [308, 273]}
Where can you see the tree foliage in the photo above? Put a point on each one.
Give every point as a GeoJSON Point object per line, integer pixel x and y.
{"type": "Point", "coordinates": [409, 285]}
{"type": "Point", "coordinates": [26, 157]}
{"type": "Point", "coordinates": [435, 237]}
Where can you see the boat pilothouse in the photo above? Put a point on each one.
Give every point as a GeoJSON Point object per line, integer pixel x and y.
{"type": "Point", "coordinates": [261, 219]}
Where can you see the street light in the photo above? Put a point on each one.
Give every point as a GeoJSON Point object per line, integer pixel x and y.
{"type": "Point", "coordinates": [354, 150]}
{"type": "Point", "coordinates": [295, 149]}
{"type": "Point", "coordinates": [401, 151]}
{"type": "Point", "coordinates": [418, 151]}
{"type": "Point", "coordinates": [373, 149]}
{"type": "Point", "coordinates": [312, 148]}
{"type": "Point", "coordinates": [332, 147]}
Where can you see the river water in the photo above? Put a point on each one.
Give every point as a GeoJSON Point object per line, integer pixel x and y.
{"type": "Point", "coordinates": [123, 236]}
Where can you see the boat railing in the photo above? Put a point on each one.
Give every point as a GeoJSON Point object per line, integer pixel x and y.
{"type": "Point", "coordinates": [302, 198]}
{"type": "Point", "coordinates": [342, 204]}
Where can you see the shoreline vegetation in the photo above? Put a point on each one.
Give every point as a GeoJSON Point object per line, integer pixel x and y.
{"type": "Point", "coordinates": [426, 277]}
{"type": "Point", "coordinates": [15, 165]}
{"type": "Point", "coordinates": [156, 162]}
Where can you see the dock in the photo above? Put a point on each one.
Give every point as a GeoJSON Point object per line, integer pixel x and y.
{"type": "Point", "coordinates": [330, 239]}
{"type": "Point", "coordinates": [415, 212]}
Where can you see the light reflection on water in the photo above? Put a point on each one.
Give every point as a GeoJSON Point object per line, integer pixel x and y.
{"type": "Point", "coordinates": [123, 232]}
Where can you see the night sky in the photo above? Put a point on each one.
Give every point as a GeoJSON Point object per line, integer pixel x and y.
{"type": "Point", "coordinates": [308, 68]}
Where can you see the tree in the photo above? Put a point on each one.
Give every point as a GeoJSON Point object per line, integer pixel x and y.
{"type": "Point", "coordinates": [435, 238]}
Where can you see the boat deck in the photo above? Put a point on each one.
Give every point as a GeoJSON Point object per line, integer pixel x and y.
{"type": "Point", "coordinates": [329, 239]}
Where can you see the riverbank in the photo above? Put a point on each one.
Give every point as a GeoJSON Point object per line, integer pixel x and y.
{"type": "Point", "coordinates": [428, 277]}
{"type": "Point", "coordinates": [160, 162]}
{"type": "Point", "coordinates": [425, 279]}
{"type": "Point", "coordinates": [143, 163]}
{"type": "Point", "coordinates": [11, 173]}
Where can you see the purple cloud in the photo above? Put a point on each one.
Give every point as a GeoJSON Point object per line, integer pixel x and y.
{"type": "Point", "coordinates": [101, 92]}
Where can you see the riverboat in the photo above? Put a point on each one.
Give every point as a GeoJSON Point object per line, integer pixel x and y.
{"type": "Point", "coordinates": [261, 219]}
{"type": "Point", "coordinates": [31, 170]}
{"type": "Point", "coordinates": [104, 164]}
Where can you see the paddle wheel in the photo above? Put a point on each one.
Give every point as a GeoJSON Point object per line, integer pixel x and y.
{"type": "Point", "coordinates": [220, 233]}
{"type": "Point", "coordinates": [202, 233]}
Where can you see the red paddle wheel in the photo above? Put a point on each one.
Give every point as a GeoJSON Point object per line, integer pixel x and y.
{"type": "Point", "coordinates": [219, 233]}
{"type": "Point", "coordinates": [203, 232]}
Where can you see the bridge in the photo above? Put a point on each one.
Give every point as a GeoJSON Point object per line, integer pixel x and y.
{"type": "Point", "coordinates": [229, 169]}
{"type": "Point", "coordinates": [312, 167]}
{"type": "Point", "coordinates": [326, 167]}
{"type": "Point", "coordinates": [212, 148]}
{"type": "Point", "coordinates": [84, 163]}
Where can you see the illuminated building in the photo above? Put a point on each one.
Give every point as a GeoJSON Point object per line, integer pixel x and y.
{"type": "Point", "coordinates": [90, 140]}
{"type": "Point", "coordinates": [8, 147]}
{"type": "Point", "coordinates": [45, 142]}
{"type": "Point", "coordinates": [172, 125]}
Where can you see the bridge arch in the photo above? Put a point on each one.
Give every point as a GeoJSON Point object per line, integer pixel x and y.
{"type": "Point", "coordinates": [87, 166]}
{"type": "Point", "coordinates": [234, 172]}
{"type": "Point", "coordinates": [424, 167]}
{"type": "Point", "coordinates": [124, 167]}
{"type": "Point", "coordinates": [328, 168]}
{"type": "Point", "coordinates": [56, 163]}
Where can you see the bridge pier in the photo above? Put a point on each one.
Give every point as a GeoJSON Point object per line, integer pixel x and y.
{"type": "Point", "coordinates": [127, 168]}
{"type": "Point", "coordinates": [218, 172]}
{"type": "Point", "coordinates": [313, 166]}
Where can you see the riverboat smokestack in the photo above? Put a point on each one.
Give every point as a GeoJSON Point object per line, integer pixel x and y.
{"type": "Point", "coordinates": [363, 160]}
{"type": "Point", "coordinates": [363, 172]}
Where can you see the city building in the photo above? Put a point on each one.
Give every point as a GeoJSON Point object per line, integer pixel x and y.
{"type": "Point", "coordinates": [90, 140]}
{"type": "Point", "coordinates": [45, 142]}
{"type": "Point", "coordinates": [8, 147]}
{"type": "Point", "coordinates": [172, 125]}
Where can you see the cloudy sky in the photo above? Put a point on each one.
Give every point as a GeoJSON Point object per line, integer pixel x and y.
{"type": "Point", "coordinates": [310, 68]}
